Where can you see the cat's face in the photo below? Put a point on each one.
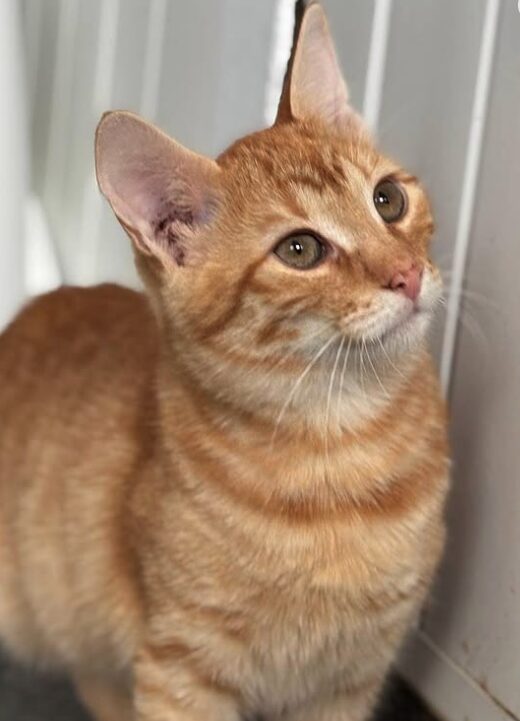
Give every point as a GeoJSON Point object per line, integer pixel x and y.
{"type": "Point", "coordinates": [318, 231]}
{"type": "Point", "coordinates": [299, 250]}
{"type": "Point", "coordinates": [299, 240]}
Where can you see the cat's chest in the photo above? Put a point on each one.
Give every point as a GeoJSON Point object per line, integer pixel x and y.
{"type": "Point", "coordinates": [336, 580]}
{"type": "Point", "coordinates": [340, 594]}
{"type": "Point", "coordinates": [288, 609]}
{"type": "Point", "coordinates": [324, 633]}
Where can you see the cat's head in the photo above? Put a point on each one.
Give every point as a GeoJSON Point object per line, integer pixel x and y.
{"type": "Point", "coordinates": [300, 241]}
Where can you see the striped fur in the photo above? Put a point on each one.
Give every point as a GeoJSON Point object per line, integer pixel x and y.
{"type": "Point", "coordinates": [227, 502]}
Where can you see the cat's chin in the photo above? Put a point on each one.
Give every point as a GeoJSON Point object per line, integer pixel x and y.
{"type": "Point", "coordinates": [408, 331]}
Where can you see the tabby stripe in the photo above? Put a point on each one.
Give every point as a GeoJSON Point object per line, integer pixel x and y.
{"type": "Point", "coordinates": [236, 301]}
{"type": "Point", "coordinates": [179, 653]}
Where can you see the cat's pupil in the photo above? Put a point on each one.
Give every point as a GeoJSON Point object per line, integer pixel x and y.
{"type": "Point", "coordinates": [382, 199]}
{"type": "Point", "coordinates": [297, 247]}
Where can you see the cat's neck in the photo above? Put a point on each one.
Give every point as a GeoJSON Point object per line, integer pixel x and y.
{"type": "Point", "coordinates": [288, 465]}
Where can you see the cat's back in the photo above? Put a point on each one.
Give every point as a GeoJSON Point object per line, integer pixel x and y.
{"type": "Point", "coordinates": [75, 365]}
{"type": "Point", "coordinates": [75, 337]}
{"type": "Point", "coordinates": [70, 317]}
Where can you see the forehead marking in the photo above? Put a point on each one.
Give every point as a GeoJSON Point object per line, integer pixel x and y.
{"type": "Point", "coordinates": [332, 232]}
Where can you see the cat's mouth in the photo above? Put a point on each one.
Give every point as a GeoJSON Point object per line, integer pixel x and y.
{"type": "Point", "coordinates": [395, 317]}
{"type": "Point", "coordinates": [412, 317]}
{"type": "Point", "coordinates": [404, 322]}
{"type": "Point", "coordinates": [387, 323]}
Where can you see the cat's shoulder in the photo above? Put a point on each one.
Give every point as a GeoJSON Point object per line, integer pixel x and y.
{"type": "Point", "coordinates": [72, 307]}
{"type": "Point", "coordinates": [107, 321]}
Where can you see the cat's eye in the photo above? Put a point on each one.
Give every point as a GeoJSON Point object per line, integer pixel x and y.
{"type": "Point", "coordinates": [390, 200]}
{"type": "Point", "coordinates": [301, 251]}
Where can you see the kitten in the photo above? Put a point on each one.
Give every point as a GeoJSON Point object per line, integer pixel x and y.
{"type": "Point", "coordinates": [228, 502]}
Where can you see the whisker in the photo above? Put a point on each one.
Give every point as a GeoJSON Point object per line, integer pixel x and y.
{"type": "Point", "coordinates": [375, 371]}
{"type": "Point", "coordinates": [329, 394]}
{"type": "Point", "coordinates": [261, 358]}
{"type": "Point", "coordinates": [470, 294]}
{"type": "Point", "coordinates": [342, 379]}
{"type": "Point", "coordinates": [319, 332]}
{"type": "Point", "coordinates": [479, 300]}
{"type": "Point", "coordinates": [396, 369]}
{"type": "Point", "coordinates": [473, 327]}
{"type": "Point", "coordinates": [362, 366]}
{"type": "Point", "coordinates": [299, 381]}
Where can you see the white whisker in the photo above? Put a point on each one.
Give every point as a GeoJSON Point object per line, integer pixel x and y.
{"type": "Point", "coordinates": [362, 367]}
{"type": "Point", "coordinates": [329, 394]}
{"type": "Point", "coordinates": [397, 370]}
{"type": "Point", "coordinates": [375, 371]}
{"type": "Point", "coordinates": [329, 398]}
{"type": "Point", "coordinates": [342, 379]}
{"type": "Point", "coordinates": [299, 381]}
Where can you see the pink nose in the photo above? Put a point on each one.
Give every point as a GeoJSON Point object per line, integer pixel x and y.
{"type": "Point", "coordinates": [407, 281]}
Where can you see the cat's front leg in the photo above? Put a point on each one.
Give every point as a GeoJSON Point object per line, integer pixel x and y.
{"type": "Point", "coordinates": [169, 686]}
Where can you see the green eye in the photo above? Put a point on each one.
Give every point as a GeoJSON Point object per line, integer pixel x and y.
{"type": "Point", "coordinates": [301, 251]}
{"type": "Point", "coordinates": [390, 200]}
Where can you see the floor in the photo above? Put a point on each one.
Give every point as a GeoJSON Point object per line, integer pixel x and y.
{"type": "Point", "coordinates": [400, 703]}
{"type": "Point", "coordinates": [27, 697]}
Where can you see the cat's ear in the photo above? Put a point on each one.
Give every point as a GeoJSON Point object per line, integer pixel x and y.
{"type": "Point", "coordinates": [314, 86]}
{"type": "Point", "coordinates": [161, 192]}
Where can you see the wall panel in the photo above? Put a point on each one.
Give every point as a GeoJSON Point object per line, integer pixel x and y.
{"type": "Point", "coordinates": [475, 618]}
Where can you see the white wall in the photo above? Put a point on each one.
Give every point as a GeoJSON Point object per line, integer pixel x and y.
{"type": "Point", "coordinates": [475, 615]}
{"type": "Point", "coordinates": [201, 69]}
{"type": "Point", "coordinates": [13, 160]}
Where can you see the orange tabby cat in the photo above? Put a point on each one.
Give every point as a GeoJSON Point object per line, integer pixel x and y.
{"type": "Point", "coordinates": [229, 504]}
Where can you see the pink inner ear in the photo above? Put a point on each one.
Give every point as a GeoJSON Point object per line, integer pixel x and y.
{"type": "Point", "coordinates": [159, 190]}
{"type": "Point", "coordinates": [318, 78]}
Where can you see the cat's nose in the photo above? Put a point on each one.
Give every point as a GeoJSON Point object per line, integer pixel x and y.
{"type": "Point", "coordinates": [407, 280]}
